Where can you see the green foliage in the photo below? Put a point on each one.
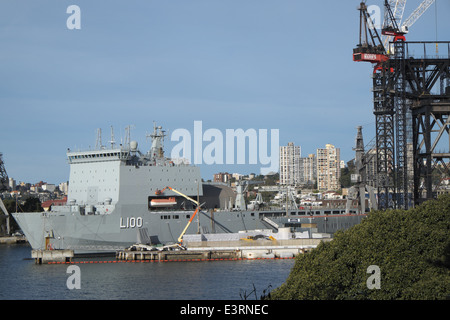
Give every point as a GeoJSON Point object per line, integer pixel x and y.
{"type": "Point", "coordinates": [10, 205]}
{"type": "Point", "coordinates": [32, 205]}
{"type": "Point", "coordinates": [411, 248]}
{"type": "Point", "coordinates": [345, 178]}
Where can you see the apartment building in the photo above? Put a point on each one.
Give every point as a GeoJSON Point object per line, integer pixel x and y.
{"type": "Point", "coordinates": [328, 168]}
{"type": "Point", "coordinates": [224, 177]}
{"type": "Point", "coordinates": [308, 172]}
{"type": "Point", "coordinates": [290, 164]}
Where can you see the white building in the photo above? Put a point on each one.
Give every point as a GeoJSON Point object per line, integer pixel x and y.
{"type": "Point", "coordinates": [64, 187]}
{"type": "Point", "coordinates": [290, 164]}
{"type": "Point", "coordinates": [308, 171]}
{"type": "Point", "coordinates": [48, 187]}
{"type": "Point", "coordinates": [328, 168]}
{"type": "Point", "coordinates": [237, 176]}
{"type": "Point", "coordinates": [12, 184]}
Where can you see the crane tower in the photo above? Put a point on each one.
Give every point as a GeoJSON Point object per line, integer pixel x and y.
{"type": "Point", "coordinates": [411, 106]}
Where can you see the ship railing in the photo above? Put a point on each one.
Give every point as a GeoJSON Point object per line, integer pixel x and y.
{"type": "Point", "coordinates": [301, 208]}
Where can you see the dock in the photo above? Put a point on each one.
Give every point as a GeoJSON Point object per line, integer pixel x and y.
{"type": "Point", "coordinates": [47, 256]}
{"type": "Point", "coordinates": [176, 255]}
{"type": "Point", "coordinates": [224, 250]}
{"type": "Point", "coordinates": [12, 240]}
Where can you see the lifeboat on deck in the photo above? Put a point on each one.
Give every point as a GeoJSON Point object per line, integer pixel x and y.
{"type": "Point", "coordinates": [163, 202]}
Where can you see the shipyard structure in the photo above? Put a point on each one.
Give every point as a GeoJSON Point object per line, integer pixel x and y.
{"type": "Point", "coordinates": [411, 104]}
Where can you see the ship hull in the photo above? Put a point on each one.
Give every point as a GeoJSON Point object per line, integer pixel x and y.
{"type": "Point", "coordinates": [123, 228]}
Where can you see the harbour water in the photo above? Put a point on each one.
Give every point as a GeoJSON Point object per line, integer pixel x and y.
{"type": "Point", "coordinates": [22, 279]}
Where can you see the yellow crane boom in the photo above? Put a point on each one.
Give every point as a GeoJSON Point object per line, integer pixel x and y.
{"type": "Point", "coordinates": [181, 194]}
{"type": "Point", "coordinates": [180, 238]}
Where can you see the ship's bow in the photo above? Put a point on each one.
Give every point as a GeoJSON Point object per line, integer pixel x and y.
{"type": "Point", "coordinates": [32, 225]}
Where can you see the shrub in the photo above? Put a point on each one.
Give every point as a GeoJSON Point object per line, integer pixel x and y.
{"type": "Point", "coordinates": [411, 248]}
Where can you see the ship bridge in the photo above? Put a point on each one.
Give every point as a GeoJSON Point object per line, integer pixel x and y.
{"type": "Point", "coordinates": [98, 155]}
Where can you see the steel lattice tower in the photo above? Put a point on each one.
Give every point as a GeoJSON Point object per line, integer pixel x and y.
{"type": "Point", "coordinates": [428, 81]}
{"type": "Point", "coordinates": [384, 127]}
{"type": "Point", "coordinates": [411, 113]}
{"type": "Point", "coordinates": [402, 125]}
{"type": "Point", "coordinates": [3, 175]}
{"type": "Point", "coordinates": [417, 101]}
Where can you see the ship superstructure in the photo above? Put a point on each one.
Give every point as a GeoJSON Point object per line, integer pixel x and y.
{"type": "Point", "coordinates": [123, 175]}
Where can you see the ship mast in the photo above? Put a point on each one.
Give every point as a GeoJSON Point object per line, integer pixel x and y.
{"type": "Point", "coordinates": [113, 142]}
{"type": "Point", "coordinates": [157, 149]}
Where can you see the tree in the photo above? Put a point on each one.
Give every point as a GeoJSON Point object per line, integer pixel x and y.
{"type": "Point", "coordinates": [32, 205]}
{"type": "Point", "coordinates": [345, 178]}
{"type": "Point", "coordinates": [10, 206]}
{"type": "Point", "coordinates": [411, 248]}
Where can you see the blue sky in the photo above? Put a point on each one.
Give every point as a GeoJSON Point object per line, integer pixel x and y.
{"type": "Point", "coordinates": [261, 64]}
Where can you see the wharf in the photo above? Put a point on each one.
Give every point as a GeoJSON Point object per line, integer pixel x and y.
{"type": "Point", "coordinates": [13, 239]}
{"type": "Point", "coordinates": [225, 250]}
{"type": "Point", "coordinates": [176, 255]}
{"type": "Point", "coordinates": [48, 256]}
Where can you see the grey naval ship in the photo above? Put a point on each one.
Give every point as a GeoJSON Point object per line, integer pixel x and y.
{"type": "Point", "coordinates": [119, 196]}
